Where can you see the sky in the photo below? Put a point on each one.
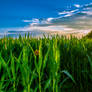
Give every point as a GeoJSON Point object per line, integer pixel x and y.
{"type": "Point", "coordinates": [36, 8]}
{"type": "Point", "coordinates": [25, 15]}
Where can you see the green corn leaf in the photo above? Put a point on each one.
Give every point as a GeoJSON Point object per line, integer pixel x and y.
{"type": "Point", "coordinates": [47, 84]}
{"type": "Point", "coordinates": [69, 75]}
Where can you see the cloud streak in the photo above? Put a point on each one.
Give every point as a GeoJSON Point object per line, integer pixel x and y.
{"type": "Point", "coordinates": [67, 21]}
{"type": "Point", "coordinates": [77, 5]}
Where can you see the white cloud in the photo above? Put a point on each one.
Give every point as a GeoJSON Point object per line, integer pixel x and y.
{"type": "Point", "coordinates": [27, 20]}
{"type": "Point", "coordinates": [33, 21]}
{"type": "Point", "coordinates": [68, 13]}
{"type": "Point", "coordinates": [77, 5]}
{"type": "Point", "coordinates": [57, 23]}
{"type": "Point", "coordinates": [50, 19]}
{"type": "Point", "coordinates": [15, 29]}
{"type": "Point", "coordinates": [74, 10]}
{"type": "Point", "coordinates": [59, 28]}
{"type": "Point", "coordinates": [43, 22]}
{"type": "Point", "coordinates": [87, 12]}
{"type": "Point", "coordinates": [34, 24]}
{"type": "Point", "coordinates": [64, 12]}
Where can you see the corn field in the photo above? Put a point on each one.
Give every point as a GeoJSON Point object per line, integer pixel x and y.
{"type": "Point", "coordinates": [48, 64]}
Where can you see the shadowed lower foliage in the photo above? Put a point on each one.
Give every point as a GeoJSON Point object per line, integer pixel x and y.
{"type": "Point", "coordinates": [89, 35]}
{"type": "Point", "coordinates": [52, 64]}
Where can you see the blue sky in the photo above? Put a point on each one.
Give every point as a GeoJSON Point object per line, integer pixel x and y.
{"type": "Point", "coordinates": [17, 15]}
{"type": "Point", "coordinates": [36, 8]}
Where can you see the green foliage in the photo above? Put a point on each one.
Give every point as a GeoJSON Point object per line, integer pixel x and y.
{"type": "Point", "coordinates": [89, 35]}
{"type": "Point", "coordinates": [55, 64]}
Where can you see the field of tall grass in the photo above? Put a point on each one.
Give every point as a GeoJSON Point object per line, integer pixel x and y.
{"type": "Point", "coordinates": [48, 64]}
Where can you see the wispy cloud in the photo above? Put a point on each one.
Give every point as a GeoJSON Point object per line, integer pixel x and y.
{"type": "Point", "coordinates": [68, 13]}
{"type": "Point", "coordinates": [33, 20]}
{"type": "Point", "coordinates": [27, 21]}
{"type": "Point", "coordinates": [77, 5]}
{"type": "Point", "coordinates": [66, 20]}
{"type": "Point", "coordinates": [64, 12]}
{"type": "Point", "coordinates": [43, 22]}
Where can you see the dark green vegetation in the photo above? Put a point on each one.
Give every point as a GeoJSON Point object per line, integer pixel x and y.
{"type": "Point", "coordinates": [52, 64]}
{"type": "Point", "coordinates": [89, 35]}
